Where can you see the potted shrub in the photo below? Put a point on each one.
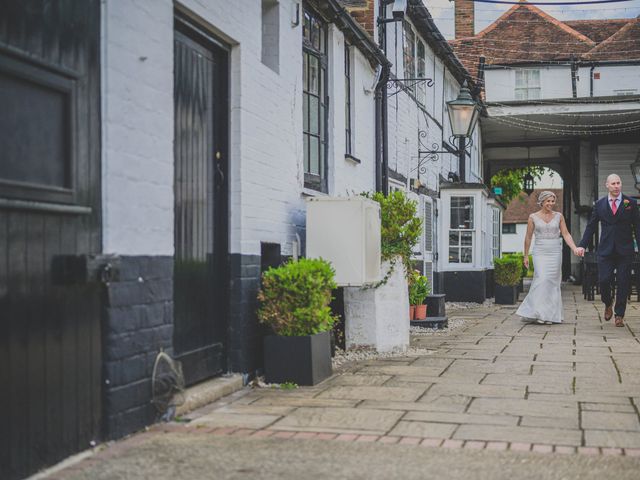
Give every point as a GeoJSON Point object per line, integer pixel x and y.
{"type": "Point", "coordinates": [418, 291]}
{"type": "Point", "coordinates": [508, 272]}
{"type": "Point", "coordinates": [294, 302]}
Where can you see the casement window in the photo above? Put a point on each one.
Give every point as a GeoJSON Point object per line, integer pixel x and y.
{"type": "Point", "coordinates": [409, 51]}
{"type": "Point", "coordinates": [495, 246]}
{"type": "Point", "coordinates": [348, 117]}
{"type": "Point", "coordinates": [509, 228]}
{"type": "Point", "coordinates": [421, 87]}
{"type": "Point", "coordinates": [461, 230]}
{"type": "Point", "coordinates": [428, 227]}
{"type": "Point", "coordinates": [315, 101]}
{"type": "Point", "coordinates": [527, 84]}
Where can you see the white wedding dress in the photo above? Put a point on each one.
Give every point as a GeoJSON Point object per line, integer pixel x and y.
{"type": "Point", "coordinates": [544, 300]}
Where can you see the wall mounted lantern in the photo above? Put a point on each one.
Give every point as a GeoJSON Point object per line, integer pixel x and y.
{"type": "Point", "coordinates": [635, 170]}
{"type": "Point", "coordinates": [464, 112]}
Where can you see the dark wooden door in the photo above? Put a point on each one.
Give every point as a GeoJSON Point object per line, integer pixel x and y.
{"type": "Point", "coordinates": [50, 354]}
{"type": "Point", "coordinates": [200, 202]}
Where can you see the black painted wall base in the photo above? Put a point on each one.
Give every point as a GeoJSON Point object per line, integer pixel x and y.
{"type": "Point", "coordinates": [465, 286]}
{"type": "Point", "coordinates": [137, 322]}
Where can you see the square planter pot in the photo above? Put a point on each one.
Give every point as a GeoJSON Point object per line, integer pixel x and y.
{"type": "Point", "coordinates": [506, 295]}
{"type": "Point", "coordinates": [301, 360]}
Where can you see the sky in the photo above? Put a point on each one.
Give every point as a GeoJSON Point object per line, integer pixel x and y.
{"type": "Point", "coordinates": [486, 13]}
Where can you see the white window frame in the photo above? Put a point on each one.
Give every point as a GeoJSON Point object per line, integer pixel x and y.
{"type": "Point", "coordinates": [496, 247]}
{"type": "Point", "coordinates": [470, 231]}
{"type": "Point", "coordinates": [527, 84]}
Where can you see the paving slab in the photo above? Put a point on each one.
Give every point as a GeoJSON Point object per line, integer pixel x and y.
{"type": "Point", "coordinates": [340, 420]}
{"type": "Point", "coordinates": [519, 434]}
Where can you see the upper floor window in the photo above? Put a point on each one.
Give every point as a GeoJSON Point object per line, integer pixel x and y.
{"type": "Point", "coordinates": [421, 87]}
{"type": "Point", "coordinates": [527, 84]}
{"type": "Point", "coordinates": [347, 100]}
{"type": "Point", "coordinates": [509, 228]}
{"type": "Point", "coordinates": [409, 50]}
{"type": "Point", "coordinates": [314, 101]}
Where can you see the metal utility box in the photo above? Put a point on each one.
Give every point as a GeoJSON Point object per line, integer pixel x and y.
{"type": "Point", "coordinates": [346, 232]}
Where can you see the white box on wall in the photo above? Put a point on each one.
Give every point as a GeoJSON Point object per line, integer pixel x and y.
{"type": "Point", "coordinates": [346, 232]}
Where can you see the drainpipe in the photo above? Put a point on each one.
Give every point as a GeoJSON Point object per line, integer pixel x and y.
{"type": "Point", "coordinates": [382, 177]}
{"type": "Point", "coordinates": [574, 89]}
{"type": "Point", "coordinates": [591, 80]}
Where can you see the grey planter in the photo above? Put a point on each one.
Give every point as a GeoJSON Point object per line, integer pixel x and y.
{"type": "Point", "coordinates": [301, 360]}
{"type": "Point", "coordinates": [506, 295]}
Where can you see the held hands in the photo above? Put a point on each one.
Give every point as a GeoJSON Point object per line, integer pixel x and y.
{"type": "Point", "coordinates": [578, 251]}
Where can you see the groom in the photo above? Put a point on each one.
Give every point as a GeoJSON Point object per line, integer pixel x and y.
{"type": "Point", "coordinates": [619, 218]}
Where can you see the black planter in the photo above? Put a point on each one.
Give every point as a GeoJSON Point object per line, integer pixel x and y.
{"type": "Point", "coordinates": [300, 360]}
{"type": "Point", "coordinates": [521, 285]}
{"type": "Point", "coordinates": [435, 305]}
{"type": "Point", "coordinates": [506, 295]}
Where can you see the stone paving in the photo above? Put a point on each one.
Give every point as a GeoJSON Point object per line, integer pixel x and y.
{"type": "Point", "coordinates": [496, 383]}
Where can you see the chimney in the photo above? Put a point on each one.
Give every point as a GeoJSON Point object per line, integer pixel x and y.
{"type": "Point", "coordinates": [464, 18]}
{"type": "Point", "coordinates": [364, 11]}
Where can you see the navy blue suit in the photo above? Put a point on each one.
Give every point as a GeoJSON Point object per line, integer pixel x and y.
{"type": "Point", "coordinates": [615, 249]}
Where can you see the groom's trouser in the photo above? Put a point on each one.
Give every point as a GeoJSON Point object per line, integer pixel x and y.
{"type": "Point", "coordinates": [622, 266]}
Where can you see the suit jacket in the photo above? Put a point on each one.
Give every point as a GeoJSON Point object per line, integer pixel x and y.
{"type": "Point", "coordinates": [617, 230]}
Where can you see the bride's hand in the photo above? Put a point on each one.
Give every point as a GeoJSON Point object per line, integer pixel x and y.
{"type": "Point", "coordinates": [526, 261]}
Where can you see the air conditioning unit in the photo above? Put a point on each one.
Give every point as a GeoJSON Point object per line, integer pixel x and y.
{"type": "Point", "coordinates": [346, 232]}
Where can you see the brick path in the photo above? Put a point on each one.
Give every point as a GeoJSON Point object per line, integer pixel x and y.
{"type": "Point", "coordinates": [494, 384]}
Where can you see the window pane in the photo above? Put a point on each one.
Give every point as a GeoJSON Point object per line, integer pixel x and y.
{"type": "Point", "coordinates": [313, 74]}
{"type": "Point", "coordinates": [313, 115]}
{"type": "Point", "coordinates": [305, 150]}
{"type": "Point", "coordinates": [314, 147]}
{"type": "Point", "coordinates": [466, 238]}
{"type": "Point", "coordinates": [322, 123]}
{"type": "Point", "coordinates": [305, 73]}
{"type": "Point", "coordinates": [305, 112]}
{"type": "Point", "coordinates": [462, 213]}
{"type": "Point", "coordinates": [454, 255]}
{"type": "Point", "coordinates": [454, 238]}
{"type": "Point", "coordinates": [465, 255]}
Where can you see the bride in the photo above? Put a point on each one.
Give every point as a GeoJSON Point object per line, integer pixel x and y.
{"type": "Point", "coordinates": [543, 303]}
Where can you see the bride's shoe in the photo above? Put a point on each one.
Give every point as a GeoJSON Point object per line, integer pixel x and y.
{"type": "Point", "coordinates": [540, 322]}
{"type": "Point", "coordinates": [548, 323]}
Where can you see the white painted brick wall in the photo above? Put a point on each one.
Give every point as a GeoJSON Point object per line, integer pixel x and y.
{"type": "Point", "coordinates": [266, 171]}
{"type": "Point", "coordinates": [137, 138]}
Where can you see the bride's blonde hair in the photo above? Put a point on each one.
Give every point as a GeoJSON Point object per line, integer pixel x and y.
{"type": "Point", "coordinates": [544, 195]}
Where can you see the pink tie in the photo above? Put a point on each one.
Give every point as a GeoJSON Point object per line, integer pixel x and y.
{"type": "Point", "coordinates": [614, 209]}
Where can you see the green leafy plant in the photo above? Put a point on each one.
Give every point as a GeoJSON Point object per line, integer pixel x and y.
{"type": "Point", "coordinates": [419, 288]}
{"type": "Point", "coordinates": [520, 258]}
{"type": "Point", "coordinates": [511, 180]}
{"type": "Point", "coordinates": [508, 271]}
{"type": "Point", "coordinates": [288, 386]}
{"type": "Point", "coordinates": [401, 227]}
{"type": "Point", "coordinates": [295, 297]}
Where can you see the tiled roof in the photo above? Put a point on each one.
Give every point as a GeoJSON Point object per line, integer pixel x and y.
{"type": "Point", "coordinates": [622, 45]}
{"type": "Point", "coordinates": [524, 33]}
{"type": "Point", "coordinates": [523, 205]}
{"type": "Point", "coordinates": [598, 30]}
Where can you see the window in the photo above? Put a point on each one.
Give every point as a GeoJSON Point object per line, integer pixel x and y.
{"type": "Point", "coordinates": [314, 101]}
{"type": "Point", "coordinates": [409, 52]}
{"type": "Point", "coordinates": [461, 230]}
{"type": "Point", "coordinates": [421, 88]}
{"type": "Point", "coordinates": [271, 34]}
{"type": "Point", "coordinates": [347, 99]}
{"type": "Point", "coordinates": [496, 233]}
{"type": "Point", "coordinates": [428, 227]}
{"type": "Point", "coordinates": [509, 228]}
{"type": "Point", "coordinates": [37, 132]}
{"type": "Point", "coordinates": [527, 84]}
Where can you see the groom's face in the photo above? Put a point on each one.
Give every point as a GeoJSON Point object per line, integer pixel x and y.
{"type": "Point", "coordinates": [614, 185]}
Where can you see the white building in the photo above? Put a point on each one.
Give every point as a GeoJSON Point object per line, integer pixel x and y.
{"type": "Point", "coordinates": [568, 98]}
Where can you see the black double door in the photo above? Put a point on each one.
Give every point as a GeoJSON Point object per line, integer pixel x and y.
{"type": "Point", "coordinates": [50, 341]}
{"type": "Point", "coordinates": [200, 269]}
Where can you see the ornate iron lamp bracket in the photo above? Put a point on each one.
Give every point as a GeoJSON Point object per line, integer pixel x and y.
{"type": "Point", "coordinates": [397, 85]}
{"type": "Point", "coordinates": [432, 155]}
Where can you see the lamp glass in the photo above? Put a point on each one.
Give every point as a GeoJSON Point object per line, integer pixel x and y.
{"type": "Point", "coordinates": [463, 113]}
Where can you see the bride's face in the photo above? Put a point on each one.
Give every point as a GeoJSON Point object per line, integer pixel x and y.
{"type": "Point", "coordinates": [549, 203]}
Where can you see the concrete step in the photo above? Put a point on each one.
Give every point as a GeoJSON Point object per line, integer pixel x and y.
{"type": "Point", "coordinates": [209, 391]}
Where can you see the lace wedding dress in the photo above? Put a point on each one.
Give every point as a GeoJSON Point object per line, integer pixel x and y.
{"type": "Point", "coordinates": [544, 300]}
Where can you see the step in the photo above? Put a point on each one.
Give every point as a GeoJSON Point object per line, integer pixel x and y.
{"type": "Point", "coordinates": [431, 322]}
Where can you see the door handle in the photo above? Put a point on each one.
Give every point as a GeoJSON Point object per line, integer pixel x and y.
{"type": "Point", "coordinates": [218, 168]}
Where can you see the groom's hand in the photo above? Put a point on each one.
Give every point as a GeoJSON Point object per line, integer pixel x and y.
{"type": "Point", "coordinates": [579, 252]}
